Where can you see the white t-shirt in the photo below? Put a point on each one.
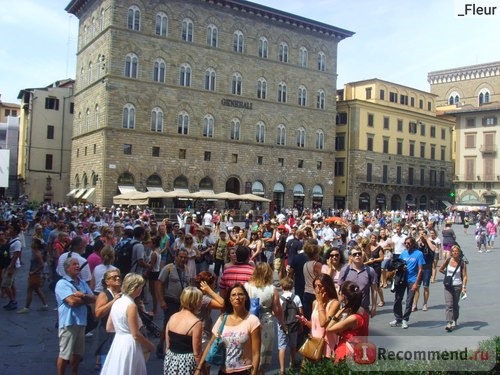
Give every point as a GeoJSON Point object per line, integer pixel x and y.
{"type": "Point", "coordinates": [85, 274]}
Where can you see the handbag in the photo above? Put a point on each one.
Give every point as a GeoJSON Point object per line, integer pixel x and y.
{"type": "Point", "coordinates": [313, 348]}
{"type": "Point", "coordinates": [448, 280]}
{"type": "Point", "coordinates": [216, 355]}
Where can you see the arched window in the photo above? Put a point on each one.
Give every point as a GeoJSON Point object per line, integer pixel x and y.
{"type": "Point", "coordinates": [283, 52]}
{"type": "Point", "coordinates": [484, 96]}
{"type": "Point", "coordinates": [101, 20]}
{"type": "Point", "coordinates": [208, 126]}
{"type": "Point", "coordinates": [82, 76]}
{"type": "Point", "coordinates": [159, 68]}
{"type": "Point", "coordinates": [320, 99]}
{"type": "Point", "coordinates": [321, 61]}
{"type": "Point", "coordinates": [185, 75]}
{"type": "Point", "coordinates": [303, 57]}
{"type": "Point", "coordinates": [212, 35]}
{"type": "Point", "coordinates": [157, 120]}
{"type": "Point", "coordinates": [263, 47]}
{"type": "Point", "coordinates": [210, 79]}
{"type": "Point", "coordinates": [302, 96]}
{"type": "Point", "coordinates": [79, 123]}
{"type": "Point", "coordinates": [96, 114]}
{"type": "Point", "coordinates": [87, 119]}
{"type": "Point", "coordinates": [161, 24]}
{"type": "Point", "coordinates": [260, 132]}
{"type": "Point", "coordinates": [236, 84]}
{"type": "Point", "coordinates": [281, 135]}
{"type": "Point", "coordinates": [187, 30]}
{"type": "Point", "coordinates": [90, 72]}
{"type": "Point", "coordinates": [131, 62]}
{"type": "Point", "coordinates": [261, 88]}
{"type": "Point", "coordinates": [235, 129]}
{"type": "Point", "coordinates": [320, 140]}
{"type": "Point", "coordinates": [301, 137]}
{"type": "Point", "coordinates": [183, 123]}
{"type": "Point", "coordinates": [454, 98]}
{"type": "Point", "coordinates": [134, 18]}
{"type": "Point", "coordinates": [282, 92]}
{"type": "Point", "coordinates": [128, 121]}
{"type": "Point", "coordinates": [238, 41]}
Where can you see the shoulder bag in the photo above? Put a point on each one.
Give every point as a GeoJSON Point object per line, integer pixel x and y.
{"type": "Point", "coordinates": [448, 280]}
{"type": "Point", "coordinates": [216, 355]}
{"type": "Point", "coordinates": [313, 347]}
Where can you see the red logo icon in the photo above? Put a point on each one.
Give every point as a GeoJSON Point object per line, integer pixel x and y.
{"type": "Point", "coordinates": [365, 353]}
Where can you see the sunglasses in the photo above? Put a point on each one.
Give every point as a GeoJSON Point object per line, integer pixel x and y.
{"type": "Point", "coordinates": [334, 255]}
{"type": "Point", "coordinates": [356, 254]}
{"type": "Point", "coordinates": [115, 277]}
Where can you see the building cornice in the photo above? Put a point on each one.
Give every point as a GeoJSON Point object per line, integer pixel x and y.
{"type": "Point", "coordinates": [247, 7]}
{"type": "Point", "coordinates": [465, 73]}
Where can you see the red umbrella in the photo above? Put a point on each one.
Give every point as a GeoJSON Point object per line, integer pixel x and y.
{"type": "Point", "coordinates": [336, 220]}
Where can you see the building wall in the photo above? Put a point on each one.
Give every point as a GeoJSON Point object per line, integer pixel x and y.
{"type": "Point", "coordinates": [378, 133]}
{"type": "Point", "coordinates": [109, 90]}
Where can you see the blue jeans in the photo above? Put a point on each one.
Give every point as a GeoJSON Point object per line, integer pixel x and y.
{"type": "Point", "coordinates": [398, 301]}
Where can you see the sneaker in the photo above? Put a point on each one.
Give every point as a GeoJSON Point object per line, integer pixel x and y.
{"type": "Point", "coordinates": [404, 324]}
{"type": "Point", "coordinates": [395, 323]}
{"type": "Point", "coordinates": [12, 306]}
{"type": "Point", "coordinates": [454, 324]}
{"type": "Point", "coordinates": [480, 251]}
{"type": "Point", "coordinates": [448, 327]}
{"type": "Point", "coordinates": [24, 310]}
{"type": "Point", "coordinates": [8, 305]}
{"type": "Point", "coordinates": [424, 307]}
{"type": "Point", "coordinates": [414, 308]}
{"type": "Point", "coordinates": [44, 308]}
{"type": "Point", "coordinates": [488, 251]}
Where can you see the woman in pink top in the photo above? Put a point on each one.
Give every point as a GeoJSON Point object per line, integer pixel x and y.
{"type": "Point", "coordinates": [354, 327]}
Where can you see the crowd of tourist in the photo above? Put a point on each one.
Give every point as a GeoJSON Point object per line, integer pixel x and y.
{"type": "Point", "coordinates": [314, 272]}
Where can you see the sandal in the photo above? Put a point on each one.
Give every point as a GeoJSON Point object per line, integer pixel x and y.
{"type": "Point", "coordinates": [381, 304]}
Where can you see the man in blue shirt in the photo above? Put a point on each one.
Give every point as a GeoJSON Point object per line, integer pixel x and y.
{"type": "Point", "coordinates": [72, 294]}
{"type": "Point", "coordinates": [414, 267]}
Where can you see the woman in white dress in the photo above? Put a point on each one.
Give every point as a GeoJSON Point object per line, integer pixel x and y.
{"type": "Point", "coordinates": [126, 355]}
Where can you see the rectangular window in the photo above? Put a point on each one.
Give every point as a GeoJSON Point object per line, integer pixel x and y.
{"type": "Point", "coordinates": [433, 152]}
{"type": "Point", "coordinates": [412, 127]}
{"type": "Point", "coordinates": [385, 146]}
{"type": "Point", "coordinates": [71, 108]}
{"type": "Point", "coordinates": [7, 112]}
{"type": "Point", "coordinates": [422, 177]}
{"type": "Point", "coordinates": [319, 165]}
{"type": "Point", "coordinates": [403, 99]}
{"type": "Point", "coordinates": [443, 153]}
{"type": "Point", "coordinates": [50, 131]}
{"type": "Point", "coordinates": [470, 169]}
{"type": "Point", "coordinates": [339, 167]}
{"type": "Point", "coordinates": [369, 170]}
{"type": "Point", "coordinates": [470, 123]}
{"type": "Point", "coordinates": [422, 130]}
{"type": "Point", "coordinates": [470, 141]}
{"type": "Point", "coordinates": [260, 160]}
{"type": "Point", "coordinates": [52, 103]}
{"type": "Point", "coordinates": [441, 178]}
{"type": "Point", "coordinates": [207, 156]}
{"type": "Point", "coordinates": [382, 95]}
{"type": "Point", "coordinates": [489, 121]}
{"type": "Point", "coordinates": [341, 118]}
{"type": "Point", "coordinates": [393, 97]}
{"type": "Point", "coordinates": [368, 93]}
{"type": "Point", "coordinates": [127, 149]}
{"type": "Point", "coordinates": [370, 120]}
{"type": "Point", "coordinates": [420, 104]}
{"type": "Point", "coordinates": [77, 152]}
{"type": "Point", "coordinates": [400, 125]}
{"type": "Point", "coordinates": [340, 142]}
{"type": "Point", "coordinates": [182, 153]}
{"type": "Point", "coordinates": [412, 149]}
{"type": "Point", "coordinates": [410, 175]}
{"type": "Point", "coordinates": [398, 175]}
{"type": "Point", "coordinates": [385, 174]}
{"type": "Point", "coordinates": [422, 150]}
{"type": "Point", "coordinates": [85, 151]}
{"type": "Point", "coordinates": [429, 106]}
{"type": "Point", "coordinates": [300, 163]}
{"type": "Point", "coordinates": [281, 162]}
{"type": "Point", "coordinates": [443, 134]}
{"type": "Point", "coordinates": [386, 123]}
{"type": "Point", "coordinates": [95, 148]}
{"type": "Point", "coordinates": [48, 162]}
{"type": "Point", "coordinates": [155, 151]}
{"type": "Point", "coordinates": [234, 158]}
{"type": "Point", "coordinates": [399, 149]}
{"type": "Point", "coordinates": [433, 132]}
{"type": "Point", "coordinates": [412, 102]}
{"type": "Point", "coordinates": [369, 143]}
{"type": "Point", "coordinates": [432, 177]}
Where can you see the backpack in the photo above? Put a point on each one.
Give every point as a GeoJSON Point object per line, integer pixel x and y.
{"type": "Point", "coordinates": [290, 312]}
{"type": "Point", "coordinates": [5, 257]}
{"type": "Point", "coordinates": [123, 255]}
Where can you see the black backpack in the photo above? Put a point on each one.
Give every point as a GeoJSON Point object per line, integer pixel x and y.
{"type": "Point", "coordinates": [123, 255]}
{"type": "Point", "coordinates": [5, 257]}
{"type": "Point", "coordinates": [290, 311]}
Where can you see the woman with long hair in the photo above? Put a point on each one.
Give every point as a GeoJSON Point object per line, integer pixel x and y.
{"type": "Point", "coordinates": [376, 256]}
{"type": "Point", "coordinates": [355, 323]}
{"type": "Point", "coordinates": [126, 355]}
{"type": "Point", "coordinates": [256, 245]}
{"type": "Point", "coordinates": [183, 335]}
{"type": "Point", "coordinates": [111, 284]}
{"type": "Point", "coordinates": [108, 257]}
{"type": "Point", "coordinates": [192, 251]}
{"type": "Point", "coordinates": [311, 269]}
{"type": "Point", "coordinates": [261, 286]}
{"type": "Point", "coordinates": [241, 334]}
{"type": "Point", "coordinates": [334, 262]}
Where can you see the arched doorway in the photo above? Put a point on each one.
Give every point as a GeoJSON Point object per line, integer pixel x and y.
{"type": "Point", "coordinates": [410, 202]}
{"type": "Point", "coordinates": [380, 202]}
{"type": "Point", "coordinates": [181, 184]}
{"type": "Point", "coordinates": [395, 202]}
{"type": "Point", "coordinates": [154, 183]}
{"type": "Point", "coordinates": [298, 197]}
{"type": "Point", "coordinates": [278, 197]}
{"type": "Point", "coordinates": [422, 203]}
{"type": "Point", "coordinates": [364, 202]}
{"type": "Point", "coordinates": [317, 197]}
{"type": "Point", "coordinates": [233, 186]}
{"type": "Point", "coordinates": [126, 182]}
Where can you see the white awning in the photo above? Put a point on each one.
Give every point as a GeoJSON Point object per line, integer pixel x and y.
{"type": "Point", "coordinates": [79, 193]}
{"type": "Point", "coordinates": [155, 188]}
{"type": "Point", "coordinates": [257, 188]}
{"type": "Point", "coordinates": [278, 188]}
{"type": "Point", "coordinates": [88, 193]}
{"type": "Point", "coordinates": [72, 192]}
{"type": "Point", "coordinates": [125, 188]}
{"type": "Point", "coordinates": [446, 203]}
{"type": "Point", "coordinates": [298, 190]}
{"type": "Point", "coordinates": [317, 191]}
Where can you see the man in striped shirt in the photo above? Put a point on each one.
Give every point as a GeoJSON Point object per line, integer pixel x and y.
{"type": "Point", "coordinates": [239, 273]}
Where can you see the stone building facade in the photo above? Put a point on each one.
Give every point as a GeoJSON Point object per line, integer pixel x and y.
{"type": "Point", "coordinates": [204, 95]}
{"type": "Point", "coordinates": [472, 95]}
{"type": "Point", "coordinates": [392, 151]}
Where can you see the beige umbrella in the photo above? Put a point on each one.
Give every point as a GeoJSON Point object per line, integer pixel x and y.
{"type": "Point", "coordinates": [204, 194]}
{"type": "Point", "coordinates": [131, 198]}
{"type": "Point", "coordinates": [228, 196]}
{"type": "Point", "coordinates": [253, 198]}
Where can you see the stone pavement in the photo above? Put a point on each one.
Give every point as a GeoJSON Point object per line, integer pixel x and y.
{"type": "Point", "coordinates": [29, 343]}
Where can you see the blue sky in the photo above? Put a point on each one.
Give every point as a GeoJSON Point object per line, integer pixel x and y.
{"type": "Point", "coordinates": [398, 41]}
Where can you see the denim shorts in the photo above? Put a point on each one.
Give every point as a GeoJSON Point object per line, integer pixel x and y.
{"type": "Point", "coordinates": [426, 277]}
{"type": "Point", "coordinates": [286, 340]}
